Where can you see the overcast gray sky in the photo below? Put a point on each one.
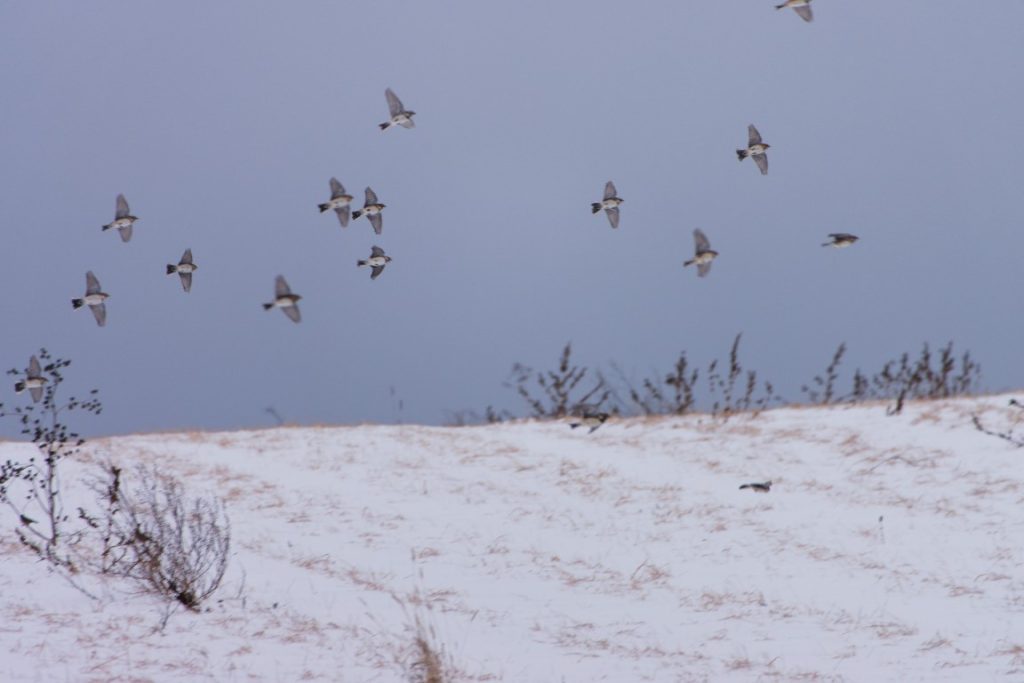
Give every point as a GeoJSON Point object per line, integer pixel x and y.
{"type": "Point", "coordinates": [222, 123]}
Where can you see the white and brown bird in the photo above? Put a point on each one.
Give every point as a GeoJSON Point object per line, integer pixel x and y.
{"type": "Point", "coordinates": [801, 7]}
{"type": "Point", "coordinates": [285, 300]}
{"type": "Point", "coordinates": [339, 201]}
{"type": "Point", "coordinates": [400, 116]}
{"type": "Point", "coordinates": [758, 486]}
{"type": "Point", "coordinates": [34, 381]}
{"type": "Point", "coordinates": [610, 204]}
{"type": "Point", "coordinates": [378, 259]}
{"type": "Point", "coordinates": [94, 298]}
{"type": "Point", "coordinates": [703, 253]}
{"type": "Point", "coordinates": [586, 416]}
{"type": "Point", "coordinates": [756, 149]}
{"type": "Point", "coordinates": [123, 219]}
{"type": "Point", "coordinates": [840, 240]}
{"type": "Point", "coordinates": [186, 266]}
{"type": "Point", "coordinates": [371, 209]}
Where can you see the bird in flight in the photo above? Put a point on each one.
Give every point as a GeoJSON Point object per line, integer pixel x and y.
{"type": "Point", "coordinates": [34, 381]}
{"type": "Point", "coordinates": [94, 297]}
{"type": "Point", "coordinates": [400, 116]}
{"type": "Point", "coordinates": [840, 240]}
{"type": "Point", "coordinates": [285, 300]}
{"type": "Point", "coordinates": [378, 259]}
{"type": "Point", "coordinates": [755, 149]}
{"type": "Point", "coordinates": [801, 7]}
{"type": "Point", "coordinates": [184, 269]}
{"type": "Point", "coordinates": [371, 209]}
{"type": "Point", "coordinates": [123, 219]}
{"type": "Point", "coordinates": [610, 204]}
{"type": "Point", "coordinates": [339, 201]}
{"type": "Point", "coordinates": [758, 486]}
{"type": "Point", "coordinates": [703, 253]}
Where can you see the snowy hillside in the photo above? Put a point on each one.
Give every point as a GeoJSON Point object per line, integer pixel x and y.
{"type": "Point", "coordinates": [888, 549]}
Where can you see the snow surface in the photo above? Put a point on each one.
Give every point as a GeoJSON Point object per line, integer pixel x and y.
{"type": "Point", "coordinates": [889, 549]}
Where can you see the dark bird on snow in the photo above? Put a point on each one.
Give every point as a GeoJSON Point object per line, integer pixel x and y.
{"type": "Point", "coordinates": [703, 255]}
{"type": "Point", "coordinates": [400, 116]}
{"type": "Point", "coordinates": [285, 300]}
{"type": "Point", "coordinates": [610, 204]}
{"type": "Point", "coordinates": [755, 149]}
{"type": "Point", "coordinates": [94, 297]}
{"type": "Point", "coordinates": [184, 269]}
{"type": "Point", "coordinates": [840, 240]}
{"type": "Point", "coordinates": [339, 201]}
{"type": "Point", "coordinates": [26, 520]}
{"type": "Point", "coordinates": [378, 259]}
{"type": "Point", "coordinates": [371, 208]}
{"type": "Point", "coordinates": [34, 381]}
{"type": "Point", "coordinates": [759, 486]}
{"type": "Point", "coordinates": [123, 219]}
{"type": "Point", "coordinates": [801, 7]}
{"type": "Point", "coordinates": [588, 417]}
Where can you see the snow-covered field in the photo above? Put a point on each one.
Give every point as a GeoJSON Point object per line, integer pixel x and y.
{"type": "Point", "coordinates": [889, 549]}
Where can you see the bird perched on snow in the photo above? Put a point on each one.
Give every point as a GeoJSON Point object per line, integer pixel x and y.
{"type": "Point", "coordinates": [610, 204]}
{"type": "Point", "coordinates": [400, 116]}
{"type": "Point", "coordinates": [34, 381]}
{"type": "Point", "coordinates": [123, 219]}
{"type": "Point", "coordinates": [588, 417]}
{"type": "Point", "coordinates": [801, 7]}
{"type": "Point", "coordinates": [339, 201]}
{"type": "Point", "coordinates": [756, 149]}
{"type": "Point", "coordinates": [703, 255]}
{"type": "Point", "coordinates": [94, 297]}
{"type": "Point", "coordinates": [285, 300]}
{"type": "Point", "coordinates": [759, 486]}
{"type": "Point", "coordinates": [371, 209]}
{"type": "Point", "coordinates": [378, 259]}
{"type": "Point", "coordinates": [184, 269]}
{"type": "Point", "coordinates": [840, 240]}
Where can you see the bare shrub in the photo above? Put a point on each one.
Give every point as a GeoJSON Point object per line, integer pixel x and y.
{"type": "Point", "coordinates": [558, 395]}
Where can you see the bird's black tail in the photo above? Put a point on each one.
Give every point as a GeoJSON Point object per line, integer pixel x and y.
{"type": "Point", "coordinates": [19, 387]}
{"type": "Point", "coordinates": [384, 126]}
{"type": "Point", "coordinates": [267, 307]}
{"type": "Point", "coordinates": [171, 268]}
{"type": "Point", "coordinates": [595, 207]}
{"type": "Point", "coordinates": [356, 214]}
{"type": "Point", "coordinates": [77, 303]}
{"type": "Point", "coordinates": [742, 154]}
{"type": "Point", "coordinates": [324, 207]}
{"type": "Point", "coordinates": [360, 262]}
{"type": "Point", "coordinates": [777, 7]}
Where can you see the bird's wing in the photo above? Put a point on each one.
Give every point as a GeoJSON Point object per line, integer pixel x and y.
{"type": "Point", "coordinates": [122, 207]}
{"type": "Point", "coordinates": [609, 190]}
{"type": "Point", "coordinates": [343, 215]}
{"type": "Point", "coordinates": [33, 368]}
{"type": "Point", "coordinates": [762, 163]}
{"type": "Point", "coordinates": [701, 240]}
{"type": "Point", "coordinates": [99, 311]}
{"type": "Point", "coordinates": [805, 12]}
{"type": "Point", "coordinates": [37, 394]}
{"type": "Point", "coordinates": [371, 197]}
{"type": "Point", "coordinates": [281, 287]}
{"type": "Point", "coordinates": [293, 313]}
{"type": "Point", "coordinates": [337, 189]}
{"type": "Point", "coordinates": [92, 285]}
{"type": "Point", "coordinates": [753, 137]}
{"type": "Point", "coordinates": [186, 281]}
{"type": "Point", "coordinates": [703, 268]}
{"type": "Point", "coordinates": [187, 257]}
{"type": "Point", "coordinates": [375, 221]}
{"type": "Point", "coordinates": [613, 215]}
{"type": "Point", "coordinates": [126, 232]}
{"type": "Point", "coordinates": [394, 104]}
{"type": "Point", "coordinates": [376, 251]}
{"type": "Point", "coordinates": [375, 271]}
{"type": "Point", "coordinates": [408, 123]}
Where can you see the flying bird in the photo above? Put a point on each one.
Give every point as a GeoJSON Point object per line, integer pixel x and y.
{"type": "Point", "coordinates": [840, 240]}
{"type": "Point", "coordinates": [801, 7]}
{"type": "Point", "coordinates": [378, 259]}
{"type": "Point", "coordinates": [34, 381]}
{"type": "Point", "coordinates": [703, 255]}
{"type": "Point", "coordinates": [371, 209]}
{"type": "Point", "coordinates": [759, 486]}
{"type": "Point", "coordinates": [588, 417]}
{"type": "Point", "coordinates": [755, 149]}
{"type": "Point", "coordinates": [400, 116]}
{"type": "Point", "coordinates": [94, 297]}
{"type": "Point", "coordinates": [340, 201]}
{"type": "Point", "coordinates": [285, 300]}
{"type": "Point", "coordinates": [184, 269]}
{"type": "Point", "coordinates": [123, 219]}
{"type": "Point", "coordinates": [610, 204]}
